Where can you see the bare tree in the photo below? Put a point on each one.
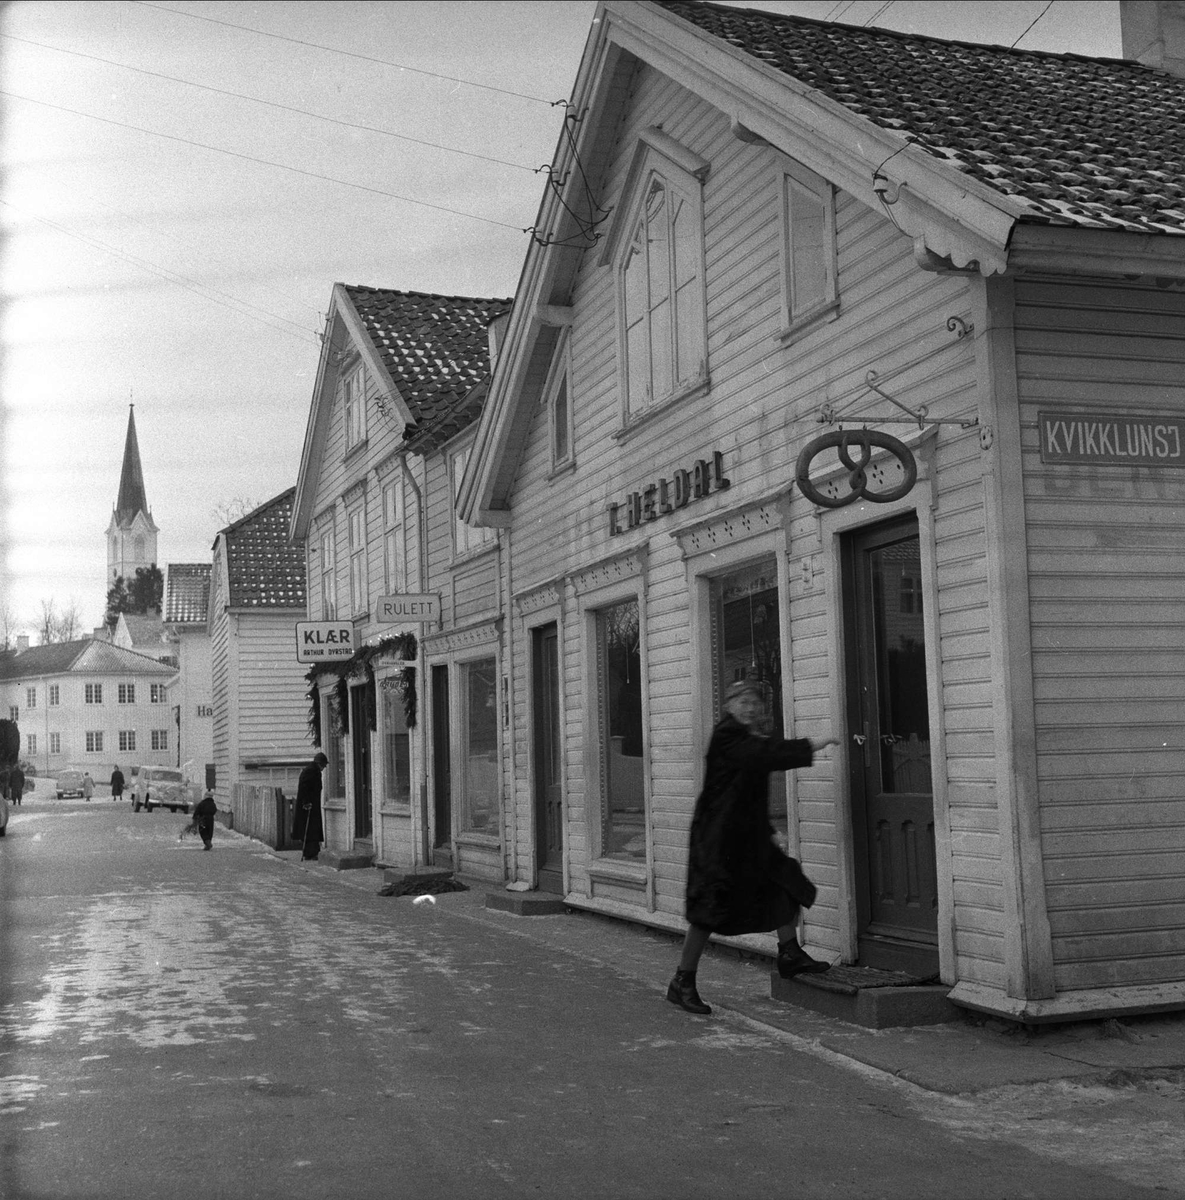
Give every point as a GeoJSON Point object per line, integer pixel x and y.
{"type": "Point", "coordinates": [227, 512]}
{"type": "Point", "coordinates": [53, 626]}
{"type": "Point", "coordinates": [10, 626]}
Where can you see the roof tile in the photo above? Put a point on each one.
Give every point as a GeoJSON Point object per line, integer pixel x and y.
{"type": "Point", "coordinates": [264, 569]}
{"type": "Point", "coordinates": [187, 598]}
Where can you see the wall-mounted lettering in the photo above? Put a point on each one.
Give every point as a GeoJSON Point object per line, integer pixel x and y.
{"type": "Point", "coordinates": [1110, 440]}
{"type": "Point", "coordinates": [705, 477]}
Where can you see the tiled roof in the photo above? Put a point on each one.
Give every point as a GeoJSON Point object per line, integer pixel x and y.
{"type": "Point", "coordinates": [435, 348]}
{"type": "Point", "coordinates": [1077, 141]}
{"type": "Point", "coordinates": [187, 593]}
{"type": "Point", "coordinates": [88, 656]}
{"type": "Point", "coordinates": [146, 629]}
{"type": "Point", "coordinates": [263, 568]}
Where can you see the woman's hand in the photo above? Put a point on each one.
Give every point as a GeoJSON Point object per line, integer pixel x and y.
{"type": "Point", "coordinates": [816, 747]}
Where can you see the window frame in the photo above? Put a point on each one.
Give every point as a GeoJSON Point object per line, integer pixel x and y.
{"type": "Point", "coordinates": [157, 693]}
{"type": "Point", "coordinates": [356, 549]}
{"type": "Point", "coordinates": [125, 693]}
{"type": "Point", "coordinates": [560, 376]}
{"type": "Point", "coordinates": [55, 743]}
{"type": "Point", "coordinates": [30, 697]}
{"type": "Point", "coordinates": [327, 573]}
{"type": "Point", "coordinates": [55, 695]}
{"type": "Point", "coordinates": [354, 407]}
{"type": "Point", "coordinates": [159, 739]}
{"type": "Point", "coordinates": [127, 741]}
{"type": "Point", "coordinates": [31, 744]}
{"type": "Point", "coordinates": [468, 540]}
{"type": "Point", "coordinates": [94, 741]}
{"type": "Point", "coordinates": [799, 315]}
{"type": "Point", "coordinates": [394, 511]}
{"type": "Point", "coordinates": [93, 693]}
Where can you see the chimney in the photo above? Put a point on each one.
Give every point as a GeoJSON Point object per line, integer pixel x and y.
{"type": "Point", "coordinates": [1153, 33]}
{"type": "Point", "coordinates": [22, 642]}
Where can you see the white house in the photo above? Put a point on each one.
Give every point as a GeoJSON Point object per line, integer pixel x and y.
{"type": "Point", "coordinates": [191, 694]}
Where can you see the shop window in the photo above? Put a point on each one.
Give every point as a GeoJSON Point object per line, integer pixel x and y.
{"type": "Point", "coordinates": [479, 745]}
{"type": "Point", "coordinates": [126, 693]}
{"type": "Point", "coordinates": [354, 408]}
{"type": "Point", "coordinates": [55, 695]}
{"type": "Point", "coordinates": [94, 742]}
{"type": "Point", "coordinates": [396, 744]}
{"type": "Point", "coordinates": [31, 697]}
{"type": "Point", "coordinates": [328, 567]}
{"type": "Point", "coordinates": [619, 679]}
{"type": "Point", "coordinates": [394, 537]}
{"type": "Point", "coordinates": [356, 525]}
{"type": "Point", "coordinates": [808, 246]}
{"type": "Point", "coordinates": [55, 743]}
{"type": "Point", "coordinates": [466, 538]}
{"type": "Point", "coordinates": [661, 290]}
{"type": "Point", "coordinates": [746, 644]}
{"type": "Point", "coordinates": [93, 693]}
{"type": "Point", "coordinates": [333, 780]}
{"type": "Point", "coordinates": [127, 740]}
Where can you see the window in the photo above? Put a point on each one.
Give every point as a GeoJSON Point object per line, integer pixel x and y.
{"type": "Point", "coordinates": [356, 522]}
{"type": "Point", "coordinates": [661, 289]}
{"type": "Point", "coordinates": [14, 713]}
{"type": "Point", "coordinates": [55, 695]}
{"type": "Point", "coordinates": [479, 745]}
{"type": "Point", "coordinates": [466, 538]}
{"type": "Point", "coordinates": [156, 693]}
{"type": "Point", "coordinates": [559, 409]}
{"type": "Point", "coordinates": [394, 540]}
{"type": "Point", "coordinates": [55, 743]}
{"type": "Point", "coordinates": [160, 739]}
{"type": "Point", "coordinates": [127, 694]}
{"type": "Point", "coordinates": [808, 251]}
{"type": "Point", "coordinates": [333, 780]}
{"type": "Point", "coordinates": [127, 739]}
{"type": "Point", "coordinates": [31, 742]}
{"type": "Point", "coordinates": [396, 743]}
{"type": "Point", "coordinates": [93, 693]}
{"type": "Point", "coordinates": [619, 681]}
{"type": "Point", "coordinates": [354, 407]}
{"type": "Point", "coordinates": [328, 582]}
{"type": "Point", "coordinates": [31, 697]}
{"type": "Point", "coordinates": [139, 546]}
{"type": "Point", "coordinates": [94, 742]}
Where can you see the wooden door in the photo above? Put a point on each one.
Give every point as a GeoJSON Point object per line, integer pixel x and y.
{"type": "Point", "coordinates": [442, 770]}
{"type": "Point", "coordinates": [549, 825]}
{"type": "Point", "coordinates": [889, 723]}
{"type": "Point", "coordinates": [361, 707]}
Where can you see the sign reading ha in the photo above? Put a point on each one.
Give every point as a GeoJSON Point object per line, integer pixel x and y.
{"type": "Point", "coordinates": [1113, 441]}
{"type": "Point", "coordinates": [321, 641]}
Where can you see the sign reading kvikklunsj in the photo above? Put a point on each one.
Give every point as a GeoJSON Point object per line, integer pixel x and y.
{"type": "Point", "coordinates": [1110, 440]}
{"type": "Point", "coordinates": [321, 641]}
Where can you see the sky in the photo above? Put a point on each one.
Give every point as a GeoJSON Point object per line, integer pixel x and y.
{"type": "Point", "coordinates": [182, 183]}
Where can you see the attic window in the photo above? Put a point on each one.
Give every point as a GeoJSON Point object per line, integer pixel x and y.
{"type": "Point", "coordinates": [808, 247]}
{"type": "Point", "coordinates": [559, 409]}
{"type": "Point", "coordinates": [354, 407]}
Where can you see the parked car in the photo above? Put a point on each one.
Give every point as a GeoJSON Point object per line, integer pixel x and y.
{"type": "Point", "coordinates": [160, 787]}
{"type": "Point", "coordinates": [69, 784]}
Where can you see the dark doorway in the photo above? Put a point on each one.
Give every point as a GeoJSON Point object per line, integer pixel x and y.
{"type": "Point", "coordinates": [361, 723]}
{"type": "Point", "coordinates": [442, 771]}
{"type": "Point", "coordinates": [549, 799]}
{"type": "Point", "coordinates": [889, 722]}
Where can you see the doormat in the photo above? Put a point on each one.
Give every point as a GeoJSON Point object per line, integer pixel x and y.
{"type": "Point", "coordinates": [850, 980]}
{"type": "Point", "coordinates": [423, 887]}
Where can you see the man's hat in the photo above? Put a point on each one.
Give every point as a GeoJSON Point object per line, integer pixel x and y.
{"type": "Point", "coordinates": [320, 760]}
{"type": "Point", "coordinates": [744, 687]}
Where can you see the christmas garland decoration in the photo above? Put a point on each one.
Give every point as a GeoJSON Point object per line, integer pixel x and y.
{"type": "Point", "coordinates": [361, 665]}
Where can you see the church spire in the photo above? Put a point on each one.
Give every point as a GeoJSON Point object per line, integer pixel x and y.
{"type": "Point", "coordinates": [131, 480]}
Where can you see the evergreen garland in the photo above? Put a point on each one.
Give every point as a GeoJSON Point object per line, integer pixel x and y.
{"type": "Point", "coordinates": [361, 666]}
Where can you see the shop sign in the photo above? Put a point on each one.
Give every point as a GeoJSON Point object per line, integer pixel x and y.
{"type": "Point", "coordinates": [1112, 441]}
{"type": "Point", "coordinates": [860, 442]}
{"type": "Point", "coordinates": [663, 496]}
{"type": "Point", "coordinates": [321, 641]}
{"type": "Point", "coordinates": [401, 610]}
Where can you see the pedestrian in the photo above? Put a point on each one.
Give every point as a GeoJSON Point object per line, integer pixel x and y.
{"type": "Point", "coordinates": [16, 784]}
{"type": "Point", "coordinates": [88, 787]}
{"type": "Point", "coordinates": [738, 878]}
{"type": "Point", "coordinates": [203, 818]}
{"type": "Point", "coordinates": [117, 784]}
{"type": "Point", "coordinates": [307, 828]}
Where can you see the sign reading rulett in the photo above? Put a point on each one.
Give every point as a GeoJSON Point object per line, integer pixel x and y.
{"type": "Point", "coordinates": [668, 495]}
{"type": "Point", "coordinates": [321, 641]}
{"type": "Point", "coordinates": [422, 607]}
{"type": "Point", "coordinates": [844, 440]}
{"type": "Point", "coordinates": [1109, 440]}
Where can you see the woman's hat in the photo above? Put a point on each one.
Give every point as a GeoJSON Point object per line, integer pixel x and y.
{"type": "Point", "coordinates": [744, 687]}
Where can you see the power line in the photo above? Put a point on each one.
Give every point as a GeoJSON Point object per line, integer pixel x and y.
{"type": "Point", "coordinates": [348, 53]}
{"type": "Point", "coordinates": [880, 12]}
{"type": "Point", "coordinates": [1031, 24]}
{"type": "Point", "coordinates": [199, 289]}
{"type": "Point", "coordinates": [269, 103]}
{"type": "Point", "coordinates": [362, 187]}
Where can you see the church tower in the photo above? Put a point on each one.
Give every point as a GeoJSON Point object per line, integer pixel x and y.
{"type": "Point", "coordinates": [131, 536]}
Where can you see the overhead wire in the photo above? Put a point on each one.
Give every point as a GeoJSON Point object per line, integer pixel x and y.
{"type": "Point", "coordinates": [362, 187]}
{"type": "Point", "coordinates": [269, 103]}
{"type": "Point", "coordinates": [347, 53]}
{"type": "Point", "coordinates": [880, 12]}
{"type": "Point", "coordinates": [1031, 24]}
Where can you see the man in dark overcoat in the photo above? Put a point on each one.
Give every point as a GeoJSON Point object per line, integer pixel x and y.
{"type": "Point", "coordinates": [117, 782]}
{"type": "Point", "coordinates": [738, 878]}
{"type": "Point", "coordinates": [307, 828]}
{"type": "Point", "coordinates": [16, 784]}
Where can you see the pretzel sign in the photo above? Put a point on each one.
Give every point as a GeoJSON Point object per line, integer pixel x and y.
{"type": "Point", "coordinates": [844, 440]}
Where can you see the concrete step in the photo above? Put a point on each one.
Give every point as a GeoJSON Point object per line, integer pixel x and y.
{"type": "Point", "coordinates": [526, 904]}
{"type": "Point", "coordinates": [863, 996]}
{"type": "Point", "coordinates": [346, 860]}
{"type": "Point", "coordinates": [415, 875]}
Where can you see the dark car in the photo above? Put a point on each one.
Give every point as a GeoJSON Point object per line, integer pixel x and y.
{"type": "Point", "coordinates": [69, 783]}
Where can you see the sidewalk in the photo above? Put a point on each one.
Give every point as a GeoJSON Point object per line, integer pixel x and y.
{"type": "Point", "coordinates": [968, 1056]}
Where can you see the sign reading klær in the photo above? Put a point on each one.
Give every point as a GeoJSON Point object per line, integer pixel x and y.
{"type": "Point", "coordinates": [1109, 440]}
{"type": "Point", "coordinates": [321, 641]}
{"type": "Point", "coordinates": [401, 610]}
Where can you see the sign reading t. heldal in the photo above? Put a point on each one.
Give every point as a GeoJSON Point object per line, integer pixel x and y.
{"type": "Point", "coordinates": [319, 641]}
{"type": "Point", "coordinates": [409, 608]}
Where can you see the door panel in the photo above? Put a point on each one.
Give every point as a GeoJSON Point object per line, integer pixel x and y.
{"type": "Point", "coordinates": [888, 714]}
{"type": "Point", "coordinates": [442, 789]}
{"type": "Point", "coordinates": [361, 707]}
{"type": "Point", "coordinates": [549, 823]}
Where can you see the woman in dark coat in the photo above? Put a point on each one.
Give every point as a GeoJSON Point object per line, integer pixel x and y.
{"type": "Point", "coordinates": [738, 879]}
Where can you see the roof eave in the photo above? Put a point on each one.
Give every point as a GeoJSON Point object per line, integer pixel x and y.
{"type": "Point", "coordinates": [1064, 250]}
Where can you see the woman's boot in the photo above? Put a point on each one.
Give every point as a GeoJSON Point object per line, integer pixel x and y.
{"type": "Point", "coordinates": [794, 960]}
{"type": "Point", "coordinates": [682, 992]}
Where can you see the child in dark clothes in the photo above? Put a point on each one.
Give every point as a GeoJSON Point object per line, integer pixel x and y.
{"type": "Point", "coordinates": [203, 818]}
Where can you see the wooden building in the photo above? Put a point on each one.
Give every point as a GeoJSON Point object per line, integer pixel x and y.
{"type": "Point", "coordinates": [409, 721]}
{"type": "Point", "coordinates": [769, 229]}
{"type": "Point", "coordinates": [256, 597]}
{"type": "Point", "coordinates": [191, 695]}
